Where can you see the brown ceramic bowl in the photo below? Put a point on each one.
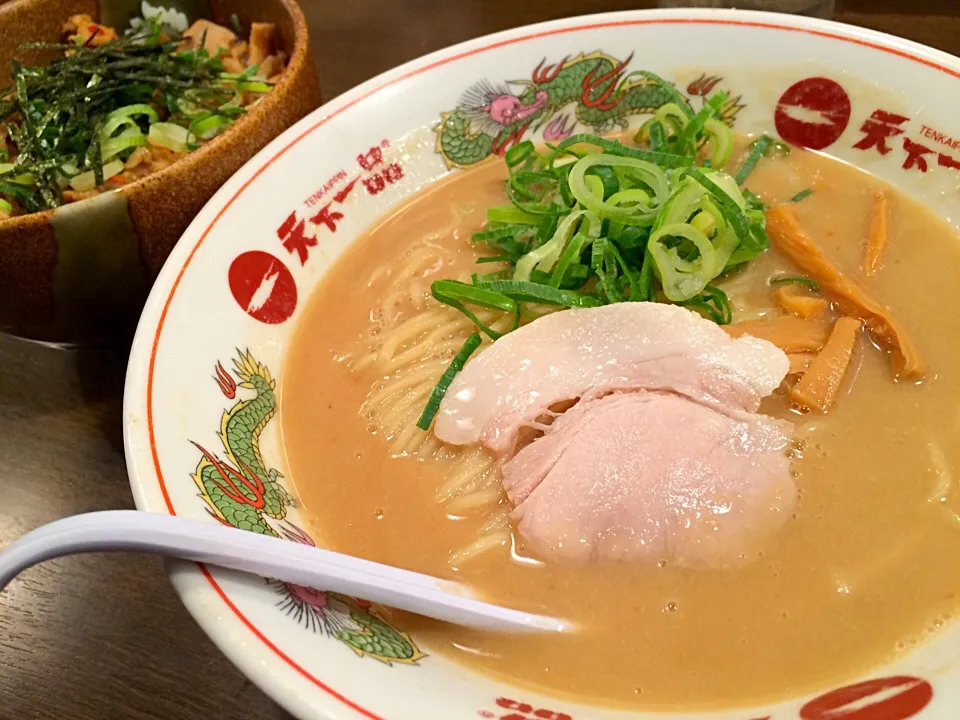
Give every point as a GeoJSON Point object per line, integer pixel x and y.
{"type": "Point", "coordinates": [68, 272]}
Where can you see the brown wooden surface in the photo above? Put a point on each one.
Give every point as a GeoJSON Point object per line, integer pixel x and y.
{"type": "Point", "coordinates": [104, 637]}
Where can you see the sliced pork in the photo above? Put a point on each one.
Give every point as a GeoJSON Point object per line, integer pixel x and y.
{"type": "Point", "coordinates": [588, 352]}
{"type": "Point", "coordinates": [662, 456]}
{"type": "Point", "coordinates": [652, 477]}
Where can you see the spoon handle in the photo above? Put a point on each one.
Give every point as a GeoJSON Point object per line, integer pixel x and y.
{"type": "Point", "coordinates": [270, 557]}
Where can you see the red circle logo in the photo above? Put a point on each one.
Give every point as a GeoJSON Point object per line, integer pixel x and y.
{"type": "Point", "coordinates": [263, 286]}
{"type": "Point", "coordinates": [813, 113]}
{"type": "Point", "coordinates": [893, 698]}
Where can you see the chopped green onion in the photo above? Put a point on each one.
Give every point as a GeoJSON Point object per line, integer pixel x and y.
{"type": "Point", "coordinates": [169, 135]}
{"type": "Point", "coordinates": [518, 153]}
{"type": "Point", "coordinates": [801, 195]}
{"type": "Point", "coordinates": [687, 140]}
{"type": "Point", "coordinates": [118, 123]}
{"type": "Point", "coordinates": [255, 87]}
{"type": "Point", "coordinates": [603, 266]}
{"type": "Point", "coordinates": [525, 291]}
{"type": "Point", "coordinates": [636, 213]}
{"type": "Point", "coordinates": [486, 277]}
{"type": "Point", "coordinates": [645, 289]}
{"type": "Point", "coordinates": [545, 257]}
{"type": "Point", "coordinates": [574, 278]}
{"type": "Point", "coordinates": [731, 205]}
{"type": "Point", "coordinates": [796, 280]}
{"type": "Point", "coordinates": [124, 141]}
{"type": "Point", "coordinates": [88, 181]}
{"type": "Point", "coordinates": [457, 295]}
{"type": "Point", "coordinates": [631, 238]}
{"type": "Point", "coordinates": [609, 183]}
{"type": "Point", "coordinates": [440, 389]}
{"type": "Point", "coordinates": [714, 303]}
{"type": "Point", "coordinates": [757, 149]}
{"type": "Point", "coordinates": [658, 139]}
{"type": "Point", "coordinates": [683, 273]}
{"type": "Point", "coordinates": [721, 142]}
{"type": "Point", "coordinates": [673, 118]}
{"type": "Point", "coordinates": [569, 259]}
{"type": "Point", "coordinates": [20, 193]}
{"type": "Point", "coordinates": [206, 128]}
{"type": "Point", "coordinates": [617, 149]}
{"type": "Point", "coordinates": [510, 214]}
{"type": "Point", "coordinates": [133, 111]}
{"type": "Point", "coordinates": [753, 200]}
{"type": "Point", "coordinates": [503, 231]}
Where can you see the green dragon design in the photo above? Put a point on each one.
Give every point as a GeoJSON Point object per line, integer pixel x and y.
{"type": "Point", "coordinates": [244, 498]}
{"type": "Point", "coordinates": [602, 94]}
{"type": "Point", "coordinates": [243, 492]}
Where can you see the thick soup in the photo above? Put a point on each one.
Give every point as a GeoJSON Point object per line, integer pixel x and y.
{"type": "Point", "coordinates": [864, 561]}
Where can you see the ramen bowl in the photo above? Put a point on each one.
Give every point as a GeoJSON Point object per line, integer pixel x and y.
{"type": "Point", "coordinates": [69, 272]}
{"type": "Point", "coordinates": [211, 365]}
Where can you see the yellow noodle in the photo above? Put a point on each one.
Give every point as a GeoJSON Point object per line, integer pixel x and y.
{"type": "Point", "coordinates": [476, 466]}
{"type": "Point", "coordinates": [477, 499]}
{"type": "Point", "coordinates": [416, 339]}
{"type": "Point", "coordinates": [494, 534]}
{"type": "Point", "coordinates": [485, 543]}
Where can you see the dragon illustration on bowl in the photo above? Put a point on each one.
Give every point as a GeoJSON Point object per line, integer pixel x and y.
{"type": "Point", "coordinates": [593, 90]}
{"type": "Point", "coordinates": [242, 491]}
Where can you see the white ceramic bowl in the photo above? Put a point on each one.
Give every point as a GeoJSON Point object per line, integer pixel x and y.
{"type": "Point", "coordinates": [241, 274]}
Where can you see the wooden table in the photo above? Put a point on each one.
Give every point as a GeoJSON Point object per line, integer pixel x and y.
{"type": "Point", "coordinates": [104, 637]}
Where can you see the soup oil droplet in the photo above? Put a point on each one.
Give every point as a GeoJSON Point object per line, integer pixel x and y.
{"type": "Point", "coordinates": [378, 514]}
{"type": "Point", "coordinates": [671, 607]}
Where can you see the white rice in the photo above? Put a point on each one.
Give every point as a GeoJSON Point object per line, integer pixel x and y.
{"type": "Point", "coordinates": [168, 17]}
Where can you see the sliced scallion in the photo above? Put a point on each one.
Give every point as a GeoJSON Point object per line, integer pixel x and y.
{"type": "Point", "coordinates": [88, 180]}
{"type": "Point", "coordinates": [169, 135]}
{"type": "Point", "coordinates": [440, 389]}
{"type": "Point", "coordinates": [757, 149]}
{"type": "Point", "coordinates": [521, 291]}
{"type": "Point", "coordinates": [712, 302]}
{"type": "Point", "coordinates": [796, 280]}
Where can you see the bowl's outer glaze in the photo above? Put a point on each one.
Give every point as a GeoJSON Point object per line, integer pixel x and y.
{"type": "Point", "coordinates": [201, 433]}
{"type": "Point", "coordinates": [66, 272]}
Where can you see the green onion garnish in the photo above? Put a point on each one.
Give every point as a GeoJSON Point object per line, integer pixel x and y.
{"type": "Point", "coordinates": [458, 295]}
{"type": "Point", "coordinates": [713, 302]}
{"type": "Point", "coordinates": [593, 221]}
{"type": "Point", "coordinates": [523, 291]}
{"type": "Point", "coordinates": [440, 389]}
{"type": "Point", "coordinates": [796, 280]}
{"type": "Point", "coordinates": [757, 149]}
{"type": "Point", "coordinates": [801, 195]}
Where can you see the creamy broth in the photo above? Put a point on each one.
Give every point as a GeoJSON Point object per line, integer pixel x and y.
{"type": "Point", "coordinates": [865, 568]}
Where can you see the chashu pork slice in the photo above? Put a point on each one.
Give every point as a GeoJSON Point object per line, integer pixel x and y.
{"type": "Point", "coordinates": [589, 352]}
{"type": "Point", "coordinates": [651, 477]}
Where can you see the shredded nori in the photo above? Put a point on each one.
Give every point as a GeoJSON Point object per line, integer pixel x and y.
{"type": "Point", "coordinates": [54, 113]}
